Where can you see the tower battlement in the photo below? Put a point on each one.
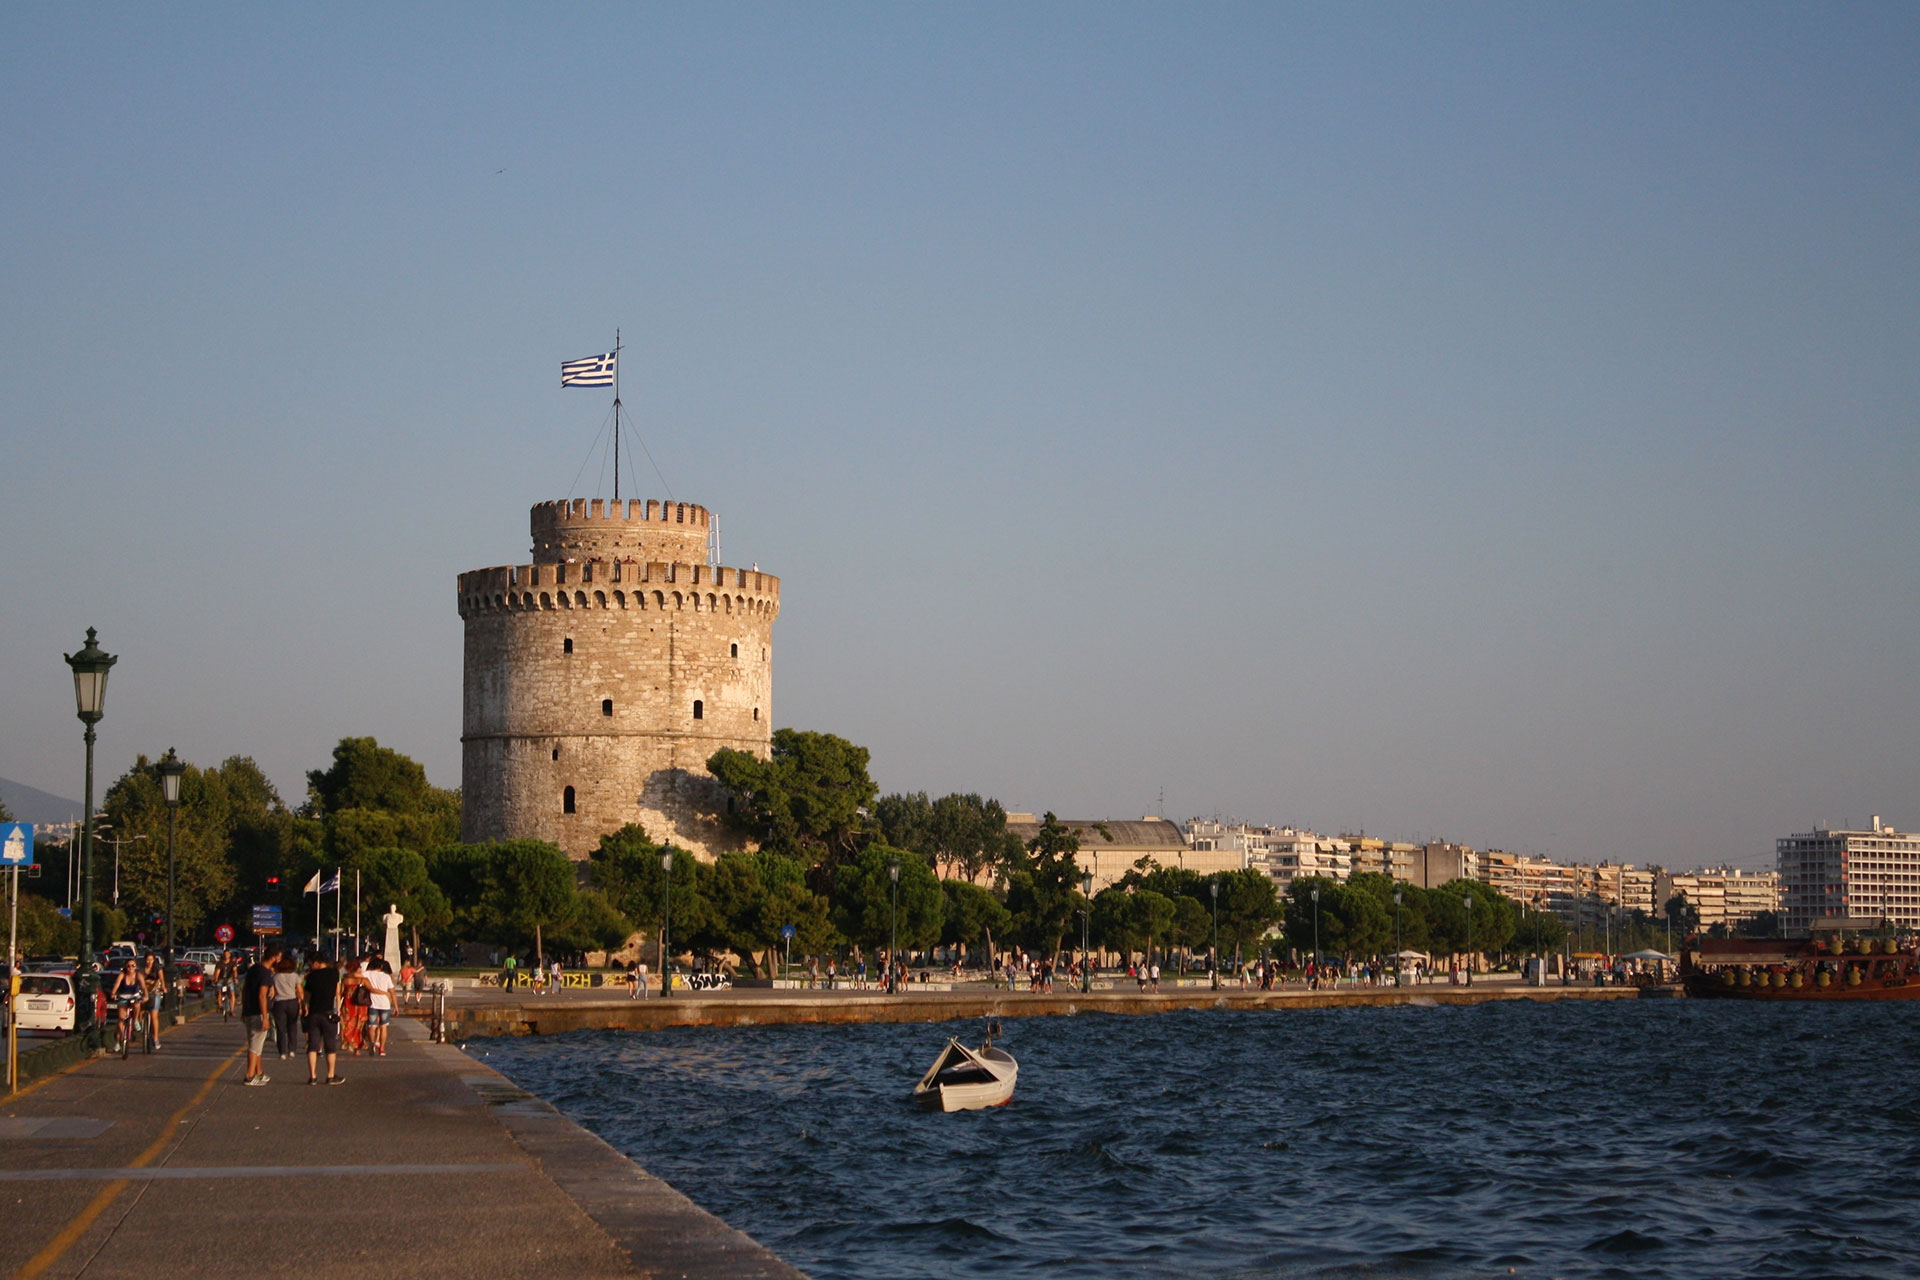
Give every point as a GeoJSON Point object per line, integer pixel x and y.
{"type": "Point", "coordinates": [583, 528]}
{"type": "Point", "coordinates": [618, 584]}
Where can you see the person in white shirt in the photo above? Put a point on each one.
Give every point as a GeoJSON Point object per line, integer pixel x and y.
{"type": "Point", "coordinates": [379, 980]}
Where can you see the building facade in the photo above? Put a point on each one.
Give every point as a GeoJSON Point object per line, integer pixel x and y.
{"type": "Point", "coordinates": [1860, 877]}
{"type": "Point", "coordinates": [600, 678]}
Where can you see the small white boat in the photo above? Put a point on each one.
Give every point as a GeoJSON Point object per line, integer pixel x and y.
{"type": "Point", "coordinates": [963, 1079]}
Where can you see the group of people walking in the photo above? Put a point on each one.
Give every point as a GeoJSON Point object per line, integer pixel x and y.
{"type": "Point", "coordinates": [346, 1005]}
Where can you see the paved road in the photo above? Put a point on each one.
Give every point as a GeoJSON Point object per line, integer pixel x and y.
{"type": "Point", "coordinates": [422, 1164]}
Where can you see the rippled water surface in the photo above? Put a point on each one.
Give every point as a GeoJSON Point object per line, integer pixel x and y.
{"type": "Point", "coordinates": [1631, 1139]}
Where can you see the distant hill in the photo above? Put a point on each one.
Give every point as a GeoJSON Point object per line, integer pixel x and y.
{"type": "Point", "coordinates": [30, 804]}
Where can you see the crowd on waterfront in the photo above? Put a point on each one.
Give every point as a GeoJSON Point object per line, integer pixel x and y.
{"type": "Point", "coordinates": [337, 1006]}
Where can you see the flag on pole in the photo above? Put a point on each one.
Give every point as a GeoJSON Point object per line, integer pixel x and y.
{"type": "Point", "coordinates": [316, 885]}
{"type": "Point", "coordinates": [313, 885]}
{"type": "Point", "coordinates": [593, 371]}
{"type": "Point", "coordinates": [332, 884]}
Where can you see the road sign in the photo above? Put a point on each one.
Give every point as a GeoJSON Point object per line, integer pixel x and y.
{"type": "Point", "coordinates": [223, 934]}
{"type": "Point", "coordinates": [16, 844]}
{"type": "Point", "coordinates": [266, 919]}
{"type": "Point", "coordinates": [786, 931]}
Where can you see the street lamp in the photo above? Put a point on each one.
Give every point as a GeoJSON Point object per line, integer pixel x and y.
{"type": "Point", "coordinates": [1213, 952]}
{"type": "Point", "coordinates": [893, 925]}
{"type": "Point", "coordinates": [106, 824]}
{"type": "Point", "coordinates": [666, 924]}
{"type": "Point", "coordinates": [170, 768]}
{"type": "Point", "coordinates": [1086, 913]}
{"type": "Point", "coordinates": [1469, 939]}
{"type": "Point", "coordinates": [1398, 946]}
{"type": "Point", "coordinates": [90, 667]}
{"type": "Point", "coordinates": [1316, 934]}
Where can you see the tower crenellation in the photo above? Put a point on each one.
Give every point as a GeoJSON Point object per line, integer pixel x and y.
{"type": "Point", "coordinates": [649, 528]}
{"type": "Point", "coordinates": [601, 677]}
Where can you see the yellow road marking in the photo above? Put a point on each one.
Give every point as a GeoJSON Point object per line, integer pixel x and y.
{"type": "Point", "coordinates": [77, 1226]}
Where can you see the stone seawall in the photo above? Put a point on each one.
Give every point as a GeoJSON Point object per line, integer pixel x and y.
{"type": "Point", "coordinates": [537, 1016]}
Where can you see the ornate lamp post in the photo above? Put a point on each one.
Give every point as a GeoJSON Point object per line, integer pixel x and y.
{"type": "Point", "coordinates": [1086, 914]}
{"type": "Point", "coordinates": [666, 925]}
{"type": "Point", "coordinates": [90, 667]}
{"type": "Point", "coordinates": [170, 768]}
{"type": "Point", "coordinates": [893, 924]}
{"type": "Point", "coordinates": [1213, 950]}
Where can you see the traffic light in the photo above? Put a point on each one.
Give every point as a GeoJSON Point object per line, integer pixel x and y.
{"type": "Point", "coordinates": [273, 882]}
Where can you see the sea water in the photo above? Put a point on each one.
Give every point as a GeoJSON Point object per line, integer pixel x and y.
{"type": "Point", "coordinates": [1636, 1139]}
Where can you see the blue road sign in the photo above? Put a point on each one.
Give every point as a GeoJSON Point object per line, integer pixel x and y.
{"type": "Point", "coordinates": [786, 931]}
{"type": "Point", "coordinates": [266, 919]}
{"type": "Point", "coordinates": [16, 844]}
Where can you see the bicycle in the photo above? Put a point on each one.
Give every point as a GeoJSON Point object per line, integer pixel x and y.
{"type": "Point", "coordinates": [129, 1011]}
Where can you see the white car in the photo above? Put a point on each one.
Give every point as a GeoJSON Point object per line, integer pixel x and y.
{"type": "Point", "coordinates": [207, 960]}
{"type": "Point", "coordinates": [45, 1002]}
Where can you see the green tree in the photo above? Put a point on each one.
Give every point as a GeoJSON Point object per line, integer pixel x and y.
{"type": "Point", "coordinates": [1114, 926]}
{"type": "Point", "coordinates": [217, 806]}
{"type": "Point", "coordinates": [804, 800]}
{"type": "Point", "coordinates": [513, 892]}
{"type": "Point", "coordinates": [1248, 908]}
{"type": "Point", "coordinates": [975, 917]}
{"type": "Point", "coordinates": [1043, 886]}
{"type": "Point", "coordinates": [961, 835]}
{"type": "Point", "coordinates": [625, 867]}
{"type": "Point", "coordinates": [863, 899]}
{"type": "Point", "coordinates": [1537, 932]}
{"type": "Point", "coordinates": [1492, 919]}
{"type": "Point", "coordinates": [366, 775]}
{"type": "Point", "coordinates": [1682, 915]}
{"type": "Point", "coordinates": [1153, 916]}
{"type": "Point", "coordinates": [1192, 925]}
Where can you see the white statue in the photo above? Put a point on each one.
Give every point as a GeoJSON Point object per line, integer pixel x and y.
{"type": "Point", "coordinates": [393, 920]}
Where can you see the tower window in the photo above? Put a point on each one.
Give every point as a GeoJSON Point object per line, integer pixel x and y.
{"type": "Point", "coordinates": [566, 646]}
{"type": "Point", "coordinates": [566, 800]}
{"type": "Point", "coordinates": [736, 651]}
{"type": "Point", "coordinates": [606, 706]}
{"type": "Point", "coordinates": [556, 753]}
{"type": "Point", "coordinates": [756, 713]}
{"type": "Point", "coordinates": [699, 709]}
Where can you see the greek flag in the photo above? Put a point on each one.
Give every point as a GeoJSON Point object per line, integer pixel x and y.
{"type": "Point", "coordinates": [316, 886]}
{"type": "Point", "coordinates": [594, 371]}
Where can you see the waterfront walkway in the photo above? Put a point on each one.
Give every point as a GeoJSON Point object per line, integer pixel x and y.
{"type": "Point", "coordinates": [422, 1164]}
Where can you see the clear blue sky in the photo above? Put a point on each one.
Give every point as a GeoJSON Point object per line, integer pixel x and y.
{"type": "Point", "coordinates": [1493, 422]}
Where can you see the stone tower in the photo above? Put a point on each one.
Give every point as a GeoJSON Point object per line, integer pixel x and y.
{"type": "Point", "coordinates": [601, 677]}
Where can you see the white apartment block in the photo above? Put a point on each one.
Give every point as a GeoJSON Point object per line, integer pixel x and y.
{"type": "Point", "coordinates": [1851, 875]}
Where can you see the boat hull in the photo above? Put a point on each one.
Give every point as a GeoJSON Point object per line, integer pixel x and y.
{"type": "Point", "coordinates": [1709, 987]}
{"type": "Point", "coordinates": [963, 1079]}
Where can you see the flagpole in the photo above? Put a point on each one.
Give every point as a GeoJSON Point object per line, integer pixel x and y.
{"type": "Point", "coordinates": [616, 416]}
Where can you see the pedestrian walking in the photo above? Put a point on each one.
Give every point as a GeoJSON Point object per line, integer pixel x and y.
{"type": "Point", "coordinates": [256, 1008]}
{"type": "Point", "coordinates": [555, 981]}
{"type": "Point", "coordinates": [354, 1003]}
{"type": "Point", "coordinates": [379, 1005]}
{"type": "Point", "coordinates": [286, 1005]}
{"type": "Point", "coordinates": [320, 1009]}
{"type": "Point", "coordinates": [507, 974]}
{"type": "Point", "coordinates": [641, 968]}
{"type": "Point", "coordinates": [633, 981]}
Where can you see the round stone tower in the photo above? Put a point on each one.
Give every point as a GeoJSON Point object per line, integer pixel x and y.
{"type": "Point", "coordinates": [602, 677]}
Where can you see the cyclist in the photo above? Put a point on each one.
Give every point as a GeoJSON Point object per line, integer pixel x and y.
{"type": "Point", "coordinates": [125, 991]}
{"type": "Point", "coordinates": [153, 979]}
{"type": "Point", "coordinates": [224, 976]}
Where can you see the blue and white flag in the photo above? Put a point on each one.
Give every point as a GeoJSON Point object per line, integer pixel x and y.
{"type": "Point", "coordinates": [316, 886]}
{"type": "Point", "coordinates": [594, 371]}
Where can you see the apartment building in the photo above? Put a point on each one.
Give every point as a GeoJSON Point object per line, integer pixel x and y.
{"type": "Point", "coordinates": [1848, 875]}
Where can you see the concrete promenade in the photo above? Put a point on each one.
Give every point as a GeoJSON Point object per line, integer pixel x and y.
{"type": "Point", "coordinates": [488, 1011]}
{"type": "Point", "coordinates": [422, 1164]}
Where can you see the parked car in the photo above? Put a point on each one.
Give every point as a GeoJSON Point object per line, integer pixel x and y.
{"type": "Point", "coordinates": [193, 978]}
{"type": "Point", "coordinates": [45, 1002]}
